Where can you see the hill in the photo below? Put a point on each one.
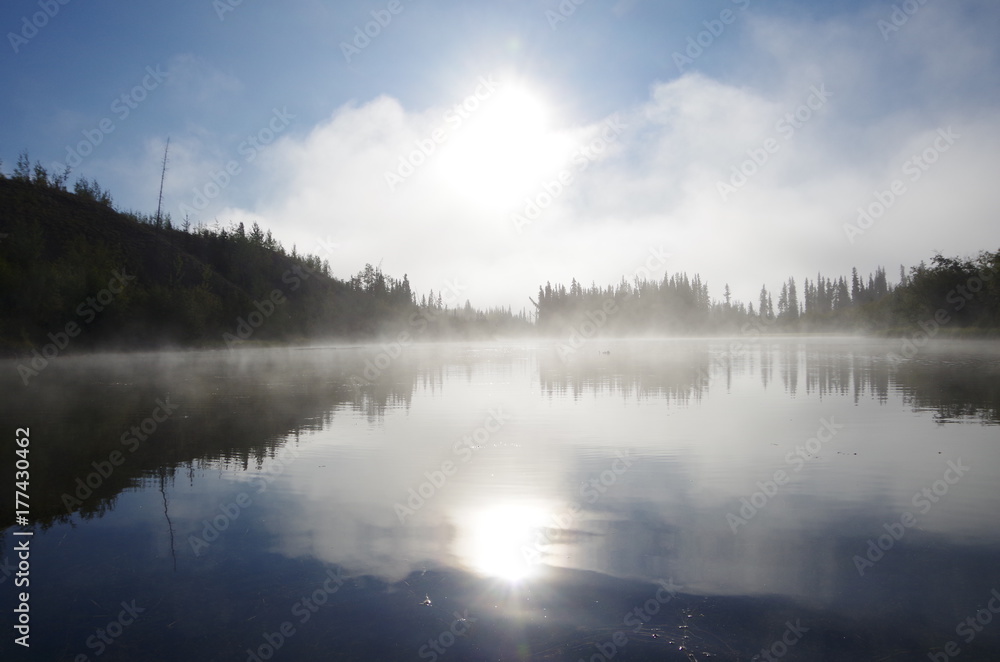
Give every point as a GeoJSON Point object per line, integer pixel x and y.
{"type": "Point", "coordinates": [74, 271]}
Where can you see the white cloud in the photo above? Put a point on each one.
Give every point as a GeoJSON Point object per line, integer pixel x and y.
{"type": "Point", "coordinates": [656, 183]}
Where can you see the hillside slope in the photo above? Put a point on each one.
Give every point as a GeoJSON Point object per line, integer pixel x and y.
{"type": "Point", "coordinates": [66, 260]}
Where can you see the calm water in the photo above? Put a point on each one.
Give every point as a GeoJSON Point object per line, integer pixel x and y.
{"type": "Point", "coordinates": [668, 500]}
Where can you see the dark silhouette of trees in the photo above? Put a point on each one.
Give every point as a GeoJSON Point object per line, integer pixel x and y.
{"type": "Point", "coordinates": [191, 286]}
{"type": "Point", "coordinates": [965, 289]}
{"type": "Point", "coordinates": [187, 288]}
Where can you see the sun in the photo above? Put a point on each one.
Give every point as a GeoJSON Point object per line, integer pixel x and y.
{"type": "Point", "coordinates": [505, 148]}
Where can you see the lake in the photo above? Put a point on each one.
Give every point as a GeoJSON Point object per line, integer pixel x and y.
{"type": "Point", "coordinates": [679, 499]}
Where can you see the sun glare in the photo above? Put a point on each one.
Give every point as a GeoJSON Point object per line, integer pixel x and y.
{"type": "Point", "coordinates": [505, 147]}
{"type": "Point", "coordinates": [494, 541]}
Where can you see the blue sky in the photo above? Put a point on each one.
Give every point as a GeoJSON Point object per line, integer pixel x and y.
{"type": "Point", "coordinates": [587, 138]}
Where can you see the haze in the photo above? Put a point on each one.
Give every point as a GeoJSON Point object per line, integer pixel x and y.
{"type": "Point", "coordinates": [738, 138]}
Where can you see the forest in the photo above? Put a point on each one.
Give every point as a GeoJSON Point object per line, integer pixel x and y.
{"type": "Point", "coordinates": [72, 266]}
{"type": "Point", "coordinates": [964, 290]}
{"type": "Point", "coordinates": [184, 286]}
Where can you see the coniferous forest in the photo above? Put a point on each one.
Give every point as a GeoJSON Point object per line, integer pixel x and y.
{"type": "Point", "coordinates": [72, 266]}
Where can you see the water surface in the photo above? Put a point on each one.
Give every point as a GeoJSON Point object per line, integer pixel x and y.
{"type": "Point", "coordinates": [641, 500]}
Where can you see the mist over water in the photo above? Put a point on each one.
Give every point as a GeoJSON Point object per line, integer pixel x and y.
{"type": "Point", "coordinates": [694, 499]}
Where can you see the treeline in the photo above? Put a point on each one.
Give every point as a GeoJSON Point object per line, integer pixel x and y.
{"type": "Point", "coordinates": [962, 293]}
{"type": "Point", "coordinates": [823, 295]}
{"type": "Point", "coordinates": [677, 304]}
{"type": "Point", "coordinates": [826, 301]}
{"type": "Point", "coordinates": [72, 268]}
{"type": "Point", "coordinates": [966, 291]}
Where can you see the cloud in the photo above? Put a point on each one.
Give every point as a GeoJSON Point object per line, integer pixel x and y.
{"type": "Point", "coordinates": [832, 107]}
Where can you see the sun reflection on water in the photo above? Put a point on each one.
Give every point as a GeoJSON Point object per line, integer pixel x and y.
{"type": "Point", "coordinates": [494, 540]}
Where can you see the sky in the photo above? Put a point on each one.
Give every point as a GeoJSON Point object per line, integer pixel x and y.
{"type": "Point", "coordinates": [486, 148]}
